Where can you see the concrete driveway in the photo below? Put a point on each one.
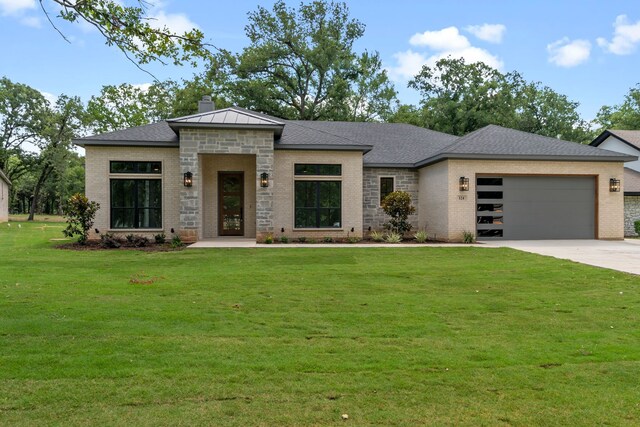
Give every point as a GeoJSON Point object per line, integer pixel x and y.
{"type": "Point", "coordinates": [616, 255]}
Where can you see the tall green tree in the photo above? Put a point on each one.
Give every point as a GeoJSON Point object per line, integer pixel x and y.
{"type": "Point", "coordinates": [301, 65]}
{"type": "Point", "coordinates": [23, 117]}
{"type": "Point", "coordinates": [64, 122]}
{"type": "Point", "coordinates": [125, 105]}
{"type": "Point", "coordinates": [458, 98]}
{"type": "Point", "coordinates": [625, 115]}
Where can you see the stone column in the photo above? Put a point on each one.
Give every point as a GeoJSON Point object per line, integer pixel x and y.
{"type": "Point", "coordinates": [189, 196]}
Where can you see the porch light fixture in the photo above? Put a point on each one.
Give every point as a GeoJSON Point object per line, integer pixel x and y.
{"type": "Point", "coordinates": [188, 179]}
{"type": "Point", "coordinates": [464, 184]}
{"type": "Point", "coordinates": [614, 185]}
{"type": "Point", "coordinates": [264, 180]}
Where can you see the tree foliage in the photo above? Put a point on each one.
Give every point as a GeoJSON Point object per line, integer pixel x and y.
{"type": "Point", "coordinates": [397, 205]}
{"type": "Point", "coordinates": [458, 98]}
{"type": "Point", "coordinates": [301, 65]}
{"type": "Point", "coordinates": [80, 213]}
{"type": "Point", "coordinates": [131, 29]}
{"type": "Point", "coordinates": [622, 116]}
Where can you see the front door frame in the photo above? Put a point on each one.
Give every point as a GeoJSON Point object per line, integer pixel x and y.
{"type": "Point", "coordinates": [221, 230]}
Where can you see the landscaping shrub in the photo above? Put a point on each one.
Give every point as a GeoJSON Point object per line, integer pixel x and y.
{"type": "Point", "coordinates": [420, 236]}
{"type": "Point", "coordinates": [397, 205]}
{"type": "Point", "coordinates": [160, 238]}
{"type": "Point", "coordinates": [130, 238]}
{"type": "Point", "coordinates": [284, 239]}
{"type": "Point", "coordinates": [468, 237]}
{"type": "Point", "coordinates": [393, 238]}
{"type": "Point", "coordinates": [636, 226]}
{"type": "Point", "coordinates": [302, 239]}
{"type": "Point", "coordinates": [110, 241]}
{"type": "Point", "coordinates": [80, 213]}
{"type": "Point", "coordinates": [269, 239]}
{"type": "Point", "coordinates": [376, 236]}
{"type": "Point", "coordinates": [328, 239]}
{"type": "Point", "coordinates": [176, 242]}
{"type": "Point", "coordinates": [353, 239]}
{"type": "Point", "coordinates": [312, 241]}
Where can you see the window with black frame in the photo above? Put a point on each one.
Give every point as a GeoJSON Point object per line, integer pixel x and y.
{"type": "Point", "coordinates": [386, 187]}
{"type": "Point", "coordinates": [136, 203]}
{"type": "Point", "coordinates": [318, 204]}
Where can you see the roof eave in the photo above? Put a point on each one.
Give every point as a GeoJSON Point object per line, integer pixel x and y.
{"type": "Point", "coordinates": [606, 134]}
{"type": "Point", "coordinates": [324, 147]}
{"type": "Point", "coordinates": [277, 129]}
{"type": "Point", "coordinates": [563, 158]}
{"type": "Point", "coordinates": [389, 165]}
{"type": "Point", "coordinates": [116, 143]}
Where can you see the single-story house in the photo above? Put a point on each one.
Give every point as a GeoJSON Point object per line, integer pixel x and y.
{"type": "Point", "coordinates": [627, 142]}
{"type": "Point", "coordinates": [4, 197]}
{"type": "Point", "coordinates": [236, 172]}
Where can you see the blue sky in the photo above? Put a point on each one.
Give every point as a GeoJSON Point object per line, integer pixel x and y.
{"type": "Point", "coordinates": [588, 50]}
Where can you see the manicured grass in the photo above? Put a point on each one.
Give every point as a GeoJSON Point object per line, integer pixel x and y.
{"type": "Point", "coordinates": [410, 336]}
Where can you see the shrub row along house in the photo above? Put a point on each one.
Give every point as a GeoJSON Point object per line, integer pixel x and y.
{"type": "Point", "coordinates": [235, 172]}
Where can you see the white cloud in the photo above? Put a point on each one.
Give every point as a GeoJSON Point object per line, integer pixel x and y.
{"type": "Point", "coordinates": [31, 21]}
{"type": "Point", "coordinates": [144, 87]}
{"type": "Point", "coordinates": [491, 33]}
{"type": "Point", "coordinates": [14, 7]}
{"type": "Point", "coordinates": [49, 97]}
{"type": "Point", "coordinates": [626, 37]}
{"type": "Point", "coordinates": [444, 43]}
{"type": "Point", "coordinates": [446, 39]}
{"type": "Point", "coordinates": [567, 53]}
{"type": "Point", "coordinates": [177, 23]}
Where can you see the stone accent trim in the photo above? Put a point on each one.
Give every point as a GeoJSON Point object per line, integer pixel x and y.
{"type": "Point", "coordinates": [404, 180]}
{"type": "Point", "coordinates": [631, 214]}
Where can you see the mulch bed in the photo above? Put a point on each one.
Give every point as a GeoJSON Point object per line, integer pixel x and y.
{"type": "Point", "coordinates": [95, 245]}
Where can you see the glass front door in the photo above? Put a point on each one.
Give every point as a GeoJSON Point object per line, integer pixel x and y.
{"type": "Point", "coordinates": [231, 203]}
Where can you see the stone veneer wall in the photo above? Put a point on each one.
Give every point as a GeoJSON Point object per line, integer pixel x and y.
{"type": "Point", "coordinates": [404, 180]}
{"type": "Point", "coordinates": [631, 214]}
{"type": "Point", "coordinates": [195, 141]}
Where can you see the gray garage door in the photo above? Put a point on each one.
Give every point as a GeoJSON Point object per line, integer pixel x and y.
{"type": "Point", "coordinates": [528, 207]}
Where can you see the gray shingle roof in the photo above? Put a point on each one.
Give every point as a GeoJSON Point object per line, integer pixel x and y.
{"type": "Point", "coordinates": [392, 143]}
{"type": "Point", "coordinates": [497, 142]}
{"type": "Point", "coordinates": [159, 132]}
{"type": "Point", "coordinates": [631, 182]}
{"type": "Point", "coordinates": [384, 144]}
{"type": "Point", "coordinates": [630, 136]}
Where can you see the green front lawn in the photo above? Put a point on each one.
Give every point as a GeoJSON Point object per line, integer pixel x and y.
{"type": "Point", "coordinates": [301, 336]}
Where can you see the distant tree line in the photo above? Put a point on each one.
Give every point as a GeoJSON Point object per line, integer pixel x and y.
{"type": "Point", "coordinates": [301, 64]}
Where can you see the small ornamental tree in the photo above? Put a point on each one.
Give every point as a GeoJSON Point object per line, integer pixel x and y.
{"type": "Point", "coordinates": [80, 213]}
{"type": "Point", "coordinates": [398, 206]}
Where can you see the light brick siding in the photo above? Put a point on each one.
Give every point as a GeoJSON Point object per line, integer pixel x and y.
{"type": "Point", "coordinates": [211, 164]}
{"type": "Point", "coordinates": [441, 180]}
{"type": "Point", "coordinates": [283, 187]}
{"type": "Point", "coordinates": [4, 201]}
{"type": "Point", "coordinates": [194, 142]}
{"type": "Point", "coordinates": [631, 214]}
{"type": "Point", "coordinates": [403, 179]}
{"type": "Point", "coordinates": [97, 183]}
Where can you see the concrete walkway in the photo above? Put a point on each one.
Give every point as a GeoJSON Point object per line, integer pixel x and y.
{"type": "Point", "coordinates": [617, 255]}
{"type": "Point", "coordinates": [241, 242]}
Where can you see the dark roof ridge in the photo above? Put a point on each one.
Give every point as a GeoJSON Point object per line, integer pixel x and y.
{"type": "Point", "coordinates": [297, 123]}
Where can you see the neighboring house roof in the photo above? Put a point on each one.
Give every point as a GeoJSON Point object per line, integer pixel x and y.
{"type": "Point", "coordinates": [384, 144]}
{"type": "Point", "coordinates": [497, 142]}
{"type": "Point", "coordinates": [4, 177]}
{"type": "Point", "coordinates": [631, 182]}
{"type": "Point", "coordinates": [629, 137]}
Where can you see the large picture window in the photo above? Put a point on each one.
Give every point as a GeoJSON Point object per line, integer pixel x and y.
{"type": "Point", "coordinates": [318, 204]}
{"type": "Point", "coordinates": [136, 203]}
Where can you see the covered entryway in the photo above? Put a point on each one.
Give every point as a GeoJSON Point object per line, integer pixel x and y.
{"type": "Point", "coordinates": [536, 207]}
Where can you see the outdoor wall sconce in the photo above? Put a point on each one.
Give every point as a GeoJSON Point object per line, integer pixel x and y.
{"type": "Point", "coordinates": [97, 231]}
{"type": "Point", "coordinates": [282, 230]}
{"type": "Point", "coordinates": [614, 185]}
{"type": "Point", "coordinates": [188, 179]}
{"type": "Point", "coordinates": [264, 180]}
{"type": "Point", "coordinates": [353, 229]}
{"type": "Point", "coordinates": [464, 184]}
